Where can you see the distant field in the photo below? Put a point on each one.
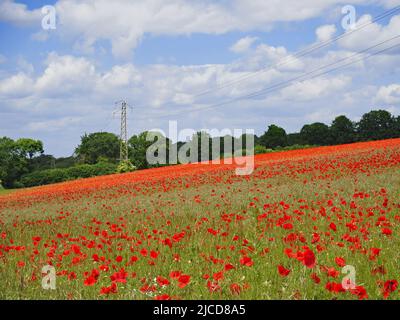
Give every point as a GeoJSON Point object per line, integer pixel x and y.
{"type": "Point", "coordinates": [201, 232]}
{"type": "Point", "coordinates": [5, 191]}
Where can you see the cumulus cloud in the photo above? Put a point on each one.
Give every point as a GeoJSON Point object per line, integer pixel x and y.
{"type": "Point", "coordinates": [53, 125]}
{"type": "Point", "coordinates": [16, 86]}
{"type": "Point", "coordinates": [373, 32]}
{"type": "Point", "coordinates": [243, 44]}
{"type": "Point", "coordinates": [19, 14]}
{"type": "Point", "coordinates": [325, 33]}
{"type": "Point", "coordinates": [77, 93]}
{"type": "Point", "coordinates": [315, 88]}
{"type": "Point", "coordinates": [125, 23]}
{"type": "Point", "coordinates": [389, 94]}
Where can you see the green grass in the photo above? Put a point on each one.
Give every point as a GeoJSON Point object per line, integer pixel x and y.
{"type": "Point", "coordinates": [122, 220]}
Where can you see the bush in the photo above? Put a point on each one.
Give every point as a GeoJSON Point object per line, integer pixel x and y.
{"type": "Point", "coordinates": [125, 166]}
{"type": "Point", "coordinates": [49, 176]}
{"type": "Point", "coordinates": [261, 149]}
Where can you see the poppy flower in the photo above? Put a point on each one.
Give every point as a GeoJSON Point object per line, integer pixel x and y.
{"type": "Point", "coordinates": [332, 226]}
{"type": "Point", "coordinates": [163, 297]}
{"type": "Point", "coordinates": [309, 258]}
{"type": "Point", "coordinates": [315, 278]}
{"type": "Point", "coordinates": [183, 280]}
{"type": "Point", "coordinates": [174, 274]}
{"type": "Point", "coordinates": [89, 281]}
{"type": "Point", "coordinates": [340, 261]}
{"type": "Point", "coordinates": [360, 292]}
{"type": "Point", "coordinates": [283, 271]}
{"type": "Point", "coordinates": [235, 288]}
{"type": "Point", "coordinates": [246, 261]}
{"type": "Point", "coordinates": [389, 287]}
{"type": "Point", "coordinates": [162, 281]}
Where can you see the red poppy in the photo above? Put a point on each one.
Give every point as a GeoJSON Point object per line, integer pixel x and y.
{"type": "Point", "coordinates": [163, 297]}
{"type": "Point", "coordinates": [386, 231]}
{"type": "Point", "coordinates": [218, 276]}
{"type": "Point", "coordinates": [340, 261]}
{"type": "Point", "coordinates": [174, 274]}
{"type": "Point", "coordinates": [283, 271]}
{"type": "Point", "coordinates": [360, 292]}
{"type": "Point", "coordinates": [183, 280]}
{"type": "Point", "coordinates": [389, 287]}
{"type": "Point", "coordinates": [315, 278]}
{"type": "Point", "coordinates": [162, 281]}
{"type": "Point", "coordinates": [89, 281]}
{"type": "Point", "coordinates": [235, 288]}
{"type": "Point", "coordinates": [309, 258]}
{"type": "Point", "coordinates": [246, 261]}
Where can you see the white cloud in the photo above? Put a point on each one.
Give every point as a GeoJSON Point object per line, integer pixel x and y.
{"type": "Point", "coordinates": [125, 23]}
{"type": "Point", "coordinates": [389, 94]}
{"type": "Point", "coordinates": [326, 32]}
{"type": "Point", "coordinates": [243, 44]}
{"type": "Point", "coordinates": [66, 75]}
{"type": "Point", "coordinates": [315, 88]}
{"type": "Point", "coordinates": [16, 86]}
{"type": "Point", "coordinates": [18, 13]}
{"type": "Point", "coordinates": [372, 34]}
{"type": "Point", "coordinates": [53, 125]}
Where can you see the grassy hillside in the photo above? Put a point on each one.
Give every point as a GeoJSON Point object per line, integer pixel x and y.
{"type": "Point", "coordinates": [202, 232]}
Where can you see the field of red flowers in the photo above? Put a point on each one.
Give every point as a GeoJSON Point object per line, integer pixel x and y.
{"type": "Point", "coordinates": [287, 231]}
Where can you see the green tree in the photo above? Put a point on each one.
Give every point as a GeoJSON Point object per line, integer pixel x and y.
{"type": "Point", "coordinates": [295, 139]}
{"type": "Point", "coordinates": [274, 137]}
{"type": "Point", "coordinates": [397, 128]}
{"type": "Point", "coordinates": [12, 163]}
{"type": "Point", "coordinates": [342, 130]}
{"type": "Point", "coordinates": [29, 147]}
{"type": "Point", "coordinates": [377, 124]}
{"type": "Point", "coordinates": [139, 144]}
{"type": "Point", "coordinates": [317, 134]}
{"type": "Point", "coordinates": [98, 145]}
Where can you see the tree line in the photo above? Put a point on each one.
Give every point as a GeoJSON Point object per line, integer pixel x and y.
{"type": "Point", "coordinates": [24, 164]}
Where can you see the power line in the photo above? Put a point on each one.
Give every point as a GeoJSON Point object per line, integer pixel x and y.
{"type": "Point", "coordinates": [297, 55]}
{"type": "Point", "coordinates": [304, 52]}
{"type": "Point", "coordinates": [288, 82]}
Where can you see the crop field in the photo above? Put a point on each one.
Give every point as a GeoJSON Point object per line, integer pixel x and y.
{"type": "Point", "coordinates": [293, 229]}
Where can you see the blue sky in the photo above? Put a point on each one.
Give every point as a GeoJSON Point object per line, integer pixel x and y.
{"type": "Point", "coordinates": [57, 84]}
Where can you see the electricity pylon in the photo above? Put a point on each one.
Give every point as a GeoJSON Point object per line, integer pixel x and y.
{"type": "Point", "coordinates": [123, 150]}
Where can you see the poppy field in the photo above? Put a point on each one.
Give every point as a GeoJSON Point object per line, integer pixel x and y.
{"type": "Point", "coordinates": [290, 230]}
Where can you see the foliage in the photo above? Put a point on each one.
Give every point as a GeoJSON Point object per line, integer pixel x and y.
{"type": "Point", "coordinates": [342, 130]}
{"type": "Point", "coordinates": [96, 145]}
{"type": "Point", "coordinates": [316, 133]}
{"type": "Point", "coordinates": [274, 137]}
{"type": "Point", "coordinates": [261, 149]}
{"type": "Point", "coordinates": [12, 163]}
{"type": "Point", "coordinates": [377, 124]}
{"type": "Point", "coordinates": [49, 176]}
{"type": "Point", "coordinates": [28, 148]}
{"type": "Point", "coordinates": [139, 144]}
{"type": "Point", "coordinates": [125, 166]}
